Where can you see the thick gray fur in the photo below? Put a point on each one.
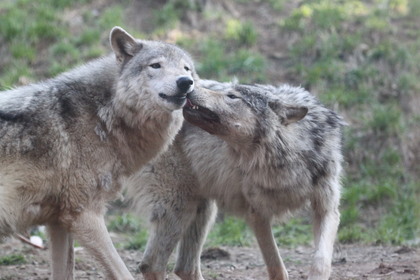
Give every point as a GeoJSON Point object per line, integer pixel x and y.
{"type": "Point", "coordinates": [68, 144]}
{"type": "Point", "coordinates": [260, 152]}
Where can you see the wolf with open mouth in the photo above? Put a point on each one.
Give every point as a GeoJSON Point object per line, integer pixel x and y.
{"type": "Point", "coordinates": [259, 152]}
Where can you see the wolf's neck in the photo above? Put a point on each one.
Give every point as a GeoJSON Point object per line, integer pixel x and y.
{"type": "Point", "coordinates": [139, 144]}
{"type": "Point", "coordinates": [262, 154]}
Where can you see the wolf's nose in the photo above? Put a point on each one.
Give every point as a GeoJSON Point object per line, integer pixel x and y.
{"type": "Point", "coordinates": [184, 84]}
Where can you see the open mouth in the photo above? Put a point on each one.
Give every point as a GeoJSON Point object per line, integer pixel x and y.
{"type": "Point", "coordinates": [178, 99]}
{"type": "Point", "coordinates": [195, 112]}
{"type": "Point", "coordinates": [202, 117]}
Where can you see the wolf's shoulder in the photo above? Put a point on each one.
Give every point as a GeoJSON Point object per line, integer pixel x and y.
{"type": "Point", "coordinates": [82, 88]}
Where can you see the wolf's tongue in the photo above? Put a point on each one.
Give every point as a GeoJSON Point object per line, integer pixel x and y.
{"type": "Point", "coordinates": [188, 104]}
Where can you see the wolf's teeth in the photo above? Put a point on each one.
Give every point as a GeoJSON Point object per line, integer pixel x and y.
{"type": "Point", "coordinates": [195, 107]}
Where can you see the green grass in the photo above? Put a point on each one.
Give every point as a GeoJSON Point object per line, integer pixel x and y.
{"type": "Point", "coordinates": [292, 233]}
{"type": "Point", "coordinates": [13, 259]}
{"type": "Point", "coordinates": [241, 33]}
{"type": "Point", "coordinates": [8, 277]}
{"type": "Point", "coordinates": [230, 231]}
{"type": "Point", "coordinates": [399, 224]}
{"type": "Point", "coordinates": [133, 229]}
{"type": "Point", "coordinates": [215, 60]}
{"type": "Point", "coordinates": [37, 33]}
{"type": "Point", "coordinates": [137, 241]}
{"type": "Point", "coordinates": [336, 56]}
{"type": "Point", "coordinates": [126, 223]}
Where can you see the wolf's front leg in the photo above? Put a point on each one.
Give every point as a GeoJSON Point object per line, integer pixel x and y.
{"type": "Point", "coordinates": [165, 232]}
{"type": "Point", "coordinates": [188, 262]}
{"type": "Point", "coordinates": [326, 221]}
{"type": "Point", "coordinates": [62, 253]}
{"type": "Point", "coordinates": [168, 222]}
{"type": "Point", "coordinates": [262, 230]}
{"type": "Point", "coordinates": [90, 230]}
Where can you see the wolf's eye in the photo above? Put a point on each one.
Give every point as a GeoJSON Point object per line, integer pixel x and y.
{"type": "Point", "coordinates": [155, 65]}
{"type": "Point", "coordinates": [232, 96]}
{"type": "Point", "coordinates": [187, 68]}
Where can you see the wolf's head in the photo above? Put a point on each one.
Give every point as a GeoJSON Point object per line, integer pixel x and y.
{"type": "Point", "coordinates": [239, 113]}
{"type": "Point", "coordinates": [154, 72]}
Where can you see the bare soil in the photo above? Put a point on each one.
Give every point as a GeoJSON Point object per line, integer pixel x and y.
{"type": "Point", "coordinates": [233, 263]}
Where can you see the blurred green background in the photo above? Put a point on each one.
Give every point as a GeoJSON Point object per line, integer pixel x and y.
{"type": "Point", "coordinates": [361, 58]}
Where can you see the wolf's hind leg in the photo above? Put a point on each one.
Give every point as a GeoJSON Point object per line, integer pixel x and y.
{"type": "Point", "coordinates": [326, 221]}
{"type": "Point", "coordinates": [262, 230]}
{"type": "Point", "coordinates": [189, 251]}
{"type": "Point", "coordinates": [90, 230]}
{"type": "Point", "coordinates": [62, 253]}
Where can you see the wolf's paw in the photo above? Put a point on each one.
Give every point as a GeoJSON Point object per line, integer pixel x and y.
{"type": "Point", "coordinates": [278, 273]}
{"type": "Point", "coordinates": [189, 275]}
{"type": "Point", "coordinates": [320, 269]}
{"type": "Point", "coordinates": [149, 274]}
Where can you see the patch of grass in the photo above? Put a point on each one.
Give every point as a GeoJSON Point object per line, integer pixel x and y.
{"type": "Point", "coordinates": [242, 33]}
{"type": "Point", "coordinates": [38, 34]}
{"type": "Point", "coordinates": [327, 15]}
{"type": "Point", "coordinates": [351, 234]}
{"type": "Point", "coordinates": [401, 224]}
{"type": "Point", "coordinates": [16, 70]}
{"type": "Point", "coordinates": [277, 5]}
{"type": "Point", "coordinates": [413, 8]}
{"type": "Point", "coordinates": [230, 232]}
{"type": "Point", "coordinates": [125, 223]}
{"type": "Point", "coordinates": [171, 13]}
{"type": "Point", "coordinates": [350, 214]}
{"type": "Point", "coordinates": [20, 51]}
{"type": "Point", "coordinates": [376, 187]}
{"type": "Point", "coordinates": [293, 233]}
{"type": "Point", "coordinates": [138, 241]}
{"type": "Point", "coordinates": [385, 120]}
{"type": "Point", "coordinates": [111, 17]}
{"type": "Point", "coordinates": [13, 259]}
{"type": "Point", "coordinates": [88, 37]}
{"type": "Point", "coordinates": [344, 96]}
{"type": "Point", "coordinates": [9, 277]}
{"type": "Point", "coordinates": [235, 232]}
{"type": "Point", "coordinates": [167, 16]}
{"type": "Point", "coordinates": [216, 61]}
{"type": "Point", "coordinates": [345, 52]}
{"type": "Point", "coordinates": [65, 50]}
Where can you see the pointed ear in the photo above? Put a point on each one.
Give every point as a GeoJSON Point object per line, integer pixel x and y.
{"type": "Point", "coordinates": [123, 44]}
{"type": "Point", "coordinates": [289, 114]}
{"type": "Point", "coordinates": [294, 114]}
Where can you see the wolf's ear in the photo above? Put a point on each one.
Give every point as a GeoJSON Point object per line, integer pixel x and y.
{"type": "Point", "coordinates": [123, 44]}
{"type": "Point", "coordinates": [294, 114]}
{"type": "Point", "coordinates": [289, 114]}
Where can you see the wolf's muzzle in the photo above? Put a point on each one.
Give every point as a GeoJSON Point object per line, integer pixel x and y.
{"type": "Point", "coordinates": [178, 99]}
{"type": "Point", "coordinates": [184, 84]}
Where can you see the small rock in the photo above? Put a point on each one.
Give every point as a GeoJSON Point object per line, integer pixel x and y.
{"type": "Point", "coordinates": [36, 240]}
{"type": "Point", "coordinates": [215, 253]}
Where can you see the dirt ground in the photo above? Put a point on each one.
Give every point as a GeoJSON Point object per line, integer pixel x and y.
{"type": "Point", "coordinates": [234, 263]}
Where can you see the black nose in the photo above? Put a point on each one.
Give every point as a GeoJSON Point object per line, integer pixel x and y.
{"type": "Point", "coordinates": [184, 84]}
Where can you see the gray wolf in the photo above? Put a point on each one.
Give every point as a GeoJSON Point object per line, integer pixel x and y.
{"type": "Point", "coordinates": [68, 144]}
{"type": "Point", "coordinates": [259, 152]}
